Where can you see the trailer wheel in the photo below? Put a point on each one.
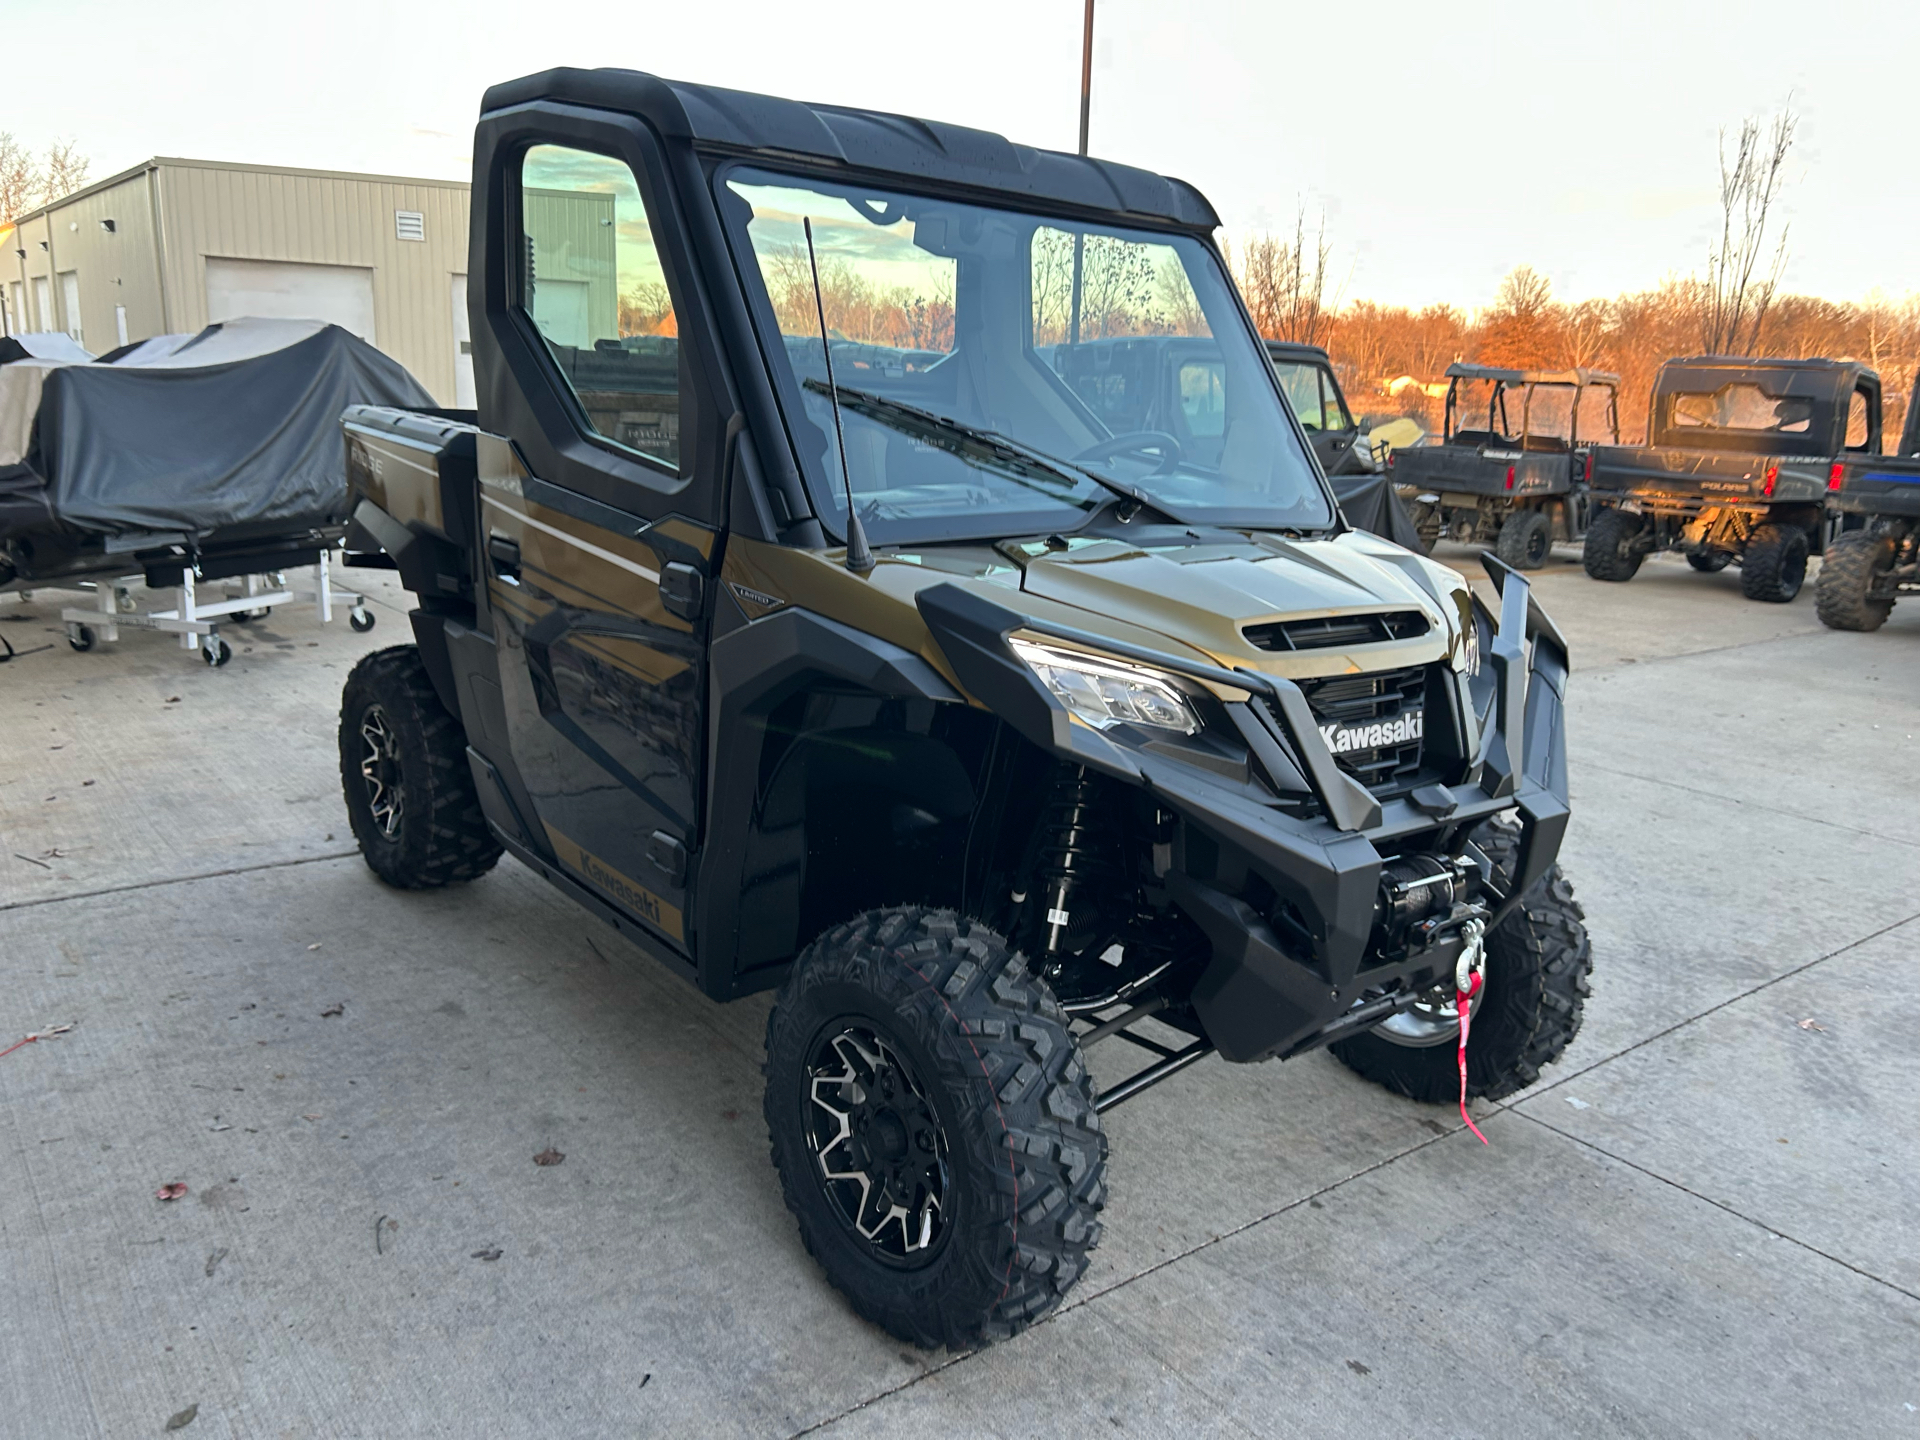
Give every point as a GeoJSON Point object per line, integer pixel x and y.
{"type": "Point", "coordinates": [1774, 564]}
{"type": "Point", "coordinates": [1843, 594]}
{"type": "Point", "coordinates": [216, 652]}
{"type": "Point", "coordinates": [80, 637]}
{"type": "Point", "coordinates": [932, 1122]}
{"type": "Point", "coordinates": [1609, 552]}
{"type": "Point", "coordinates": [360, 618]}
{"type": "Point", "coordinates": [1528, 1011]}
{"type": "Point", "coordinates": [1526, 540]}
{"type": "Point", "coordinates": [403, 768]}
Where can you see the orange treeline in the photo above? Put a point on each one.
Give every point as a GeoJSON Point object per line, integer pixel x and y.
{"type": "Point", "coordinates": [1375, 345]}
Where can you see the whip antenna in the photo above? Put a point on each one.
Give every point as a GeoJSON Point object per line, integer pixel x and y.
{"type": "Point", "coordinates": [858, 556]}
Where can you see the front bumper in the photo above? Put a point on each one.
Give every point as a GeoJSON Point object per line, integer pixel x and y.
{"type": "Point", "coordinates": [1262, 992]}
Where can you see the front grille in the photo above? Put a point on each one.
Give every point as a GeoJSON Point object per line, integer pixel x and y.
{"type": "Point", "coordinates": [1377, 699]}
{"type": "Point", "coordinates": [1336, 631]}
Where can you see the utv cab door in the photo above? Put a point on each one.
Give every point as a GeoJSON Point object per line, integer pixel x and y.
{"type": "Point", "coordinates": [596, 512]}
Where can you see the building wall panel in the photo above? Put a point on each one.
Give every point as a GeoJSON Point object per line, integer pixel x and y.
{"type": "Point", "coordinates": [113, 269]}
{"type": "Point", "coordinates": [242, 213]}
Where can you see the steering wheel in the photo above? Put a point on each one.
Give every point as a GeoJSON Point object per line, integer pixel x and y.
{"type": "Point", "coordinates": [1133, 442]}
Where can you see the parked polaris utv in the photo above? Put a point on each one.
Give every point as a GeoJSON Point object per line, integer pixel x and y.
{"type": "Point", "coordinates": [855, 655]}
{"type": "Point", "coordinates": [1736, 471]}
{"type": "Point", "coordinates": [1876, 556]}
{"type": "Point", "coordinates": [1517, 490]}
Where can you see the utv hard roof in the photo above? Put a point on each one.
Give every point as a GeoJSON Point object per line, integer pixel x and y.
{"type": "Point", "coordinates": [1825, 380]}
{"type": "Point", "coordinates": [1460, 370]}
{"type": "Point", "coordinates": [915, 150]}
{"type": "Point", "coordinates": [1296, 350]}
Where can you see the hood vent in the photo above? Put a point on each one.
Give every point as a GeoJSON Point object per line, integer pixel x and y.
{"type": "Point", "coordinates": [1337, 632]}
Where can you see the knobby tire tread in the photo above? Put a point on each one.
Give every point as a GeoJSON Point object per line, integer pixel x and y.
{"type": "Point", "coordinates": [446, 841]}
{"type": "Point", "coordinates": [1842, 592]}
{"type": "Point", "coordinates": [1005, 1056]}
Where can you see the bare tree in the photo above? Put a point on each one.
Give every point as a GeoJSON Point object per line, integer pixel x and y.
{"type": "Point", "coordinates": [20, 180]}
{"type": "Point", "coordinates": [66, 171]}
{"type": "Point", "coordinates": [1285, 284]}
{"type": "Point", "coordinates": [1737, 297]}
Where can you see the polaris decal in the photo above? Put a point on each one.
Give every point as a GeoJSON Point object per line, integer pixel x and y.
{"type": "Point", "coordinates": [1345, 739]}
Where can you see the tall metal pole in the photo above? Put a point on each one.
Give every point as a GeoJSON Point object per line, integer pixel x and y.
{"type": "Point", "coordinates": [1086, 77]}
{"type": "Point", "coordinates": [1086, 111]}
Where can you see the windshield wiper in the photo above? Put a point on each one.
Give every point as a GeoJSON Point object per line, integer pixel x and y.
{"type": "Point", "coordinates": [945, 431]}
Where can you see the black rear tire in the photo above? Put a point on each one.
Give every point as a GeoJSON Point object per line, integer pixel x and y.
{"type": "Point", "coordinates": [403, 769]}
{"type": "Point", "coordinates": [1842, 593]}
{"type": "Point", "coordinates": [1774, 565]}
{"type": "Point", "coordinates": [1526, 540]}
{"type": "Point", "coordinates": [1608, 553]}
{"type": "Point", "coordinates": [1535, 992]}
{"type": "Point", "coordinates": [1709, 562]}
{"type": "Point", "coordinates": [995, 1072]}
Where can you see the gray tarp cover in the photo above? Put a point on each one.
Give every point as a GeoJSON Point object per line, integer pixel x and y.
{"type": "Point", "coordinates": [1369, 503]}
{"type": "Point", "coordinates": [46, 345]}
{"type": "Point", "coordinates": [240, 426]}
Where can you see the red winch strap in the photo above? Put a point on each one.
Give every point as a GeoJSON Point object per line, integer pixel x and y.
{"type": "Point", "coordinates": [1465, 1003]}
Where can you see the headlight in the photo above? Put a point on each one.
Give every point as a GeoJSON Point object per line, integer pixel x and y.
{"type": "Point", "coordinates": [1105, 693]}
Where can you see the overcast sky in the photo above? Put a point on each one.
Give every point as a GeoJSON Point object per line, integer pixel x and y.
{"type": "Point", "coordinates": [1445, 142]}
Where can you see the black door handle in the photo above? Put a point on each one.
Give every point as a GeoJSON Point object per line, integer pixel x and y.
{"type": "Point", "coordinates": [682, 590]}
{"type": "Point", "coordinates": [505, 555]}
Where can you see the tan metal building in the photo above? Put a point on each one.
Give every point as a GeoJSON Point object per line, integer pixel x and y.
{"type": "Point", "coordinates": [173, 245]}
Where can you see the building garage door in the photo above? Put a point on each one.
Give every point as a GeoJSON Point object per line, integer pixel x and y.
{"type": "Point", "coordinates": [282, 290]}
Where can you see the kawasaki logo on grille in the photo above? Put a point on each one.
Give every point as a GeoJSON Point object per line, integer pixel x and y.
{"type": "Point", "coordinates": [1375, 735]}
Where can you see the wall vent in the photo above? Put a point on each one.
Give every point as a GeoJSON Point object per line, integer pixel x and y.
{"type": "Point", "coordinates": [409, 225]}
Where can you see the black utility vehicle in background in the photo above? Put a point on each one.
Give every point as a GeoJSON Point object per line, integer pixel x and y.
{"type": "Point", "coordinates": [928, 646]}
{"type": "Point", "coordinates": [1736, 470]}
{"type": "Point", "coordinates": [1876, 556]}
{"type": "Point", "coordinates": [1313, 390]}
{"type": "Point", "coordinates": [1517, 488]}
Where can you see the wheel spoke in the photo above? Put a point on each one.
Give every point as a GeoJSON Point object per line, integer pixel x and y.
{"type": "Point", "coordinates": [879, 1146]}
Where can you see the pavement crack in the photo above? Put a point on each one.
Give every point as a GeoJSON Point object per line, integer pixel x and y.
{"type": "Point", "coordinates": [1717, 1204]}
{"type": "Point", "coordinates": [1080, 1302]}
{"type": "Point", "coordinates": [176, 880]}
{"type": "Point", "coordinates": [1748, 993]}
{"type": "Point", "coordinates": [1804, 819]}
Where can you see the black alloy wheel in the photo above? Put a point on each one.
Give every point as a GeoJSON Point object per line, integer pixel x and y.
{"type": "Point", "coordinates": [380, 770]}
{"type": "Point", "coordinates": [932, 1120]}
{"type": "Point", "coordinates": [879, 1143]}
{"type": "Point", "coordinates": [404, 774]}
{"type": "Point", "coordinates": [1526, 540]}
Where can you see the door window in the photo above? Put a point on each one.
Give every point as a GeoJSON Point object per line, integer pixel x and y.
{"type": "Point", "coordinates": [1333, 408]}
{"type": "Point", "coordinates": [592, 283]}
{"type": "Point", "coordinates": [1301, 385]}
{"type": "Point", "coordinates": [1857, 421]}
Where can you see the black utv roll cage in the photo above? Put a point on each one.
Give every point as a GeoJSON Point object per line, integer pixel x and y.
{"type": "Point", "coordinates": [1580, 379]}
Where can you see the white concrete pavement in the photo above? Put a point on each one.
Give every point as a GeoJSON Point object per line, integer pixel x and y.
{"type": "Point", "coordinates": [1700, 1223]}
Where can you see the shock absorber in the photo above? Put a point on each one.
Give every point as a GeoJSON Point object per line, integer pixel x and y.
{"type": "Point", "coordinates": [1073, 861]}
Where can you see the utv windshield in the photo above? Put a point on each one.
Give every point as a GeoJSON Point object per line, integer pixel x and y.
{"type": "Point", "coordinates": [995, 368]}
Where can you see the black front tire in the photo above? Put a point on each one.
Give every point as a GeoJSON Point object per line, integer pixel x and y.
{"type": "Point", "coordinates": [429, 830]}
{"type": "Point", "coordinates": [1609, 552]}
{"type": "Point", "coordinates": [1526, 540]}
{"type": "Point", "coordinates": [1535, 992]}
{"type": "Point", "coordinates": [1774, 565]}
{"type": "Point", "coordinates": [1843, 593]}
{"type": "Point", "coordinates": [1025, 1156]}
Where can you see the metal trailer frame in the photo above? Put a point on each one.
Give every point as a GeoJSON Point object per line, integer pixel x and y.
{"type": "Point", "coordinates": [197, 622]}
